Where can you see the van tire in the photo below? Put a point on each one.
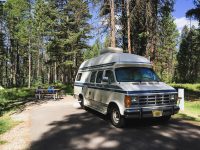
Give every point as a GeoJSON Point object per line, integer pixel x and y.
{"type": "Point", "coordinates": [165, 118]}
{"type": "Point", "coordinates": [116, 118]}
{"type": "Point", "coordinates": [81, 101]}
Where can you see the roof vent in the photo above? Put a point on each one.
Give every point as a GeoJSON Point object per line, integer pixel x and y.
{"type": "Point", "coordinates": [111, 50]}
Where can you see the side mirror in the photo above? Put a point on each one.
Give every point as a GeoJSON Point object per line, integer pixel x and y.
{"type": "Point", "coordinates": [105, 80]}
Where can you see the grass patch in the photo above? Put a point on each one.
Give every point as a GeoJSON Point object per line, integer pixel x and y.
{"type": "Point", "coordinates": [3, 142]}
{"type": "Point", "coordinates": [192, 108]}
{"type": "Point", "coordinates": [13, 98]}
{"type": "Point", "coordinates": [191, 111]}
{"type": "Point", "coordinates": [6, 123]}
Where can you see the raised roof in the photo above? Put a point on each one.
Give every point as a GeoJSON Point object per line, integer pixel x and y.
{"type": "Point", "coordinates": [108, 58]}
{"type": "Point", "coordinates": [111, 50]}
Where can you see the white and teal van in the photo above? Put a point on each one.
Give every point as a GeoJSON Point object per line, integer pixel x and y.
{"type": "Point", "coordinates": [124, 86]}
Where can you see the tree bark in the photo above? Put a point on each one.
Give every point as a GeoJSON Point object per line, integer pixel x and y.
{"type": "Point", "coordinates": [17, 70]}
{"type": "Point", "coordinates": [55, 71]}
{"type": "Point", "coordinates": [123, 25]}
{"type": "Point", "coordinates": [38, 64]}
{"type": "Point", "coordinates": [112, 19]}
{"type": "Point", "coordinates": [128, 25]}
{"type": "Point", "coordinates": [29, 64]}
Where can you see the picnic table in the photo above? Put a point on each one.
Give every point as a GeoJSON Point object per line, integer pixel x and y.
{"type": "Point", "coordinates": [41, 93]}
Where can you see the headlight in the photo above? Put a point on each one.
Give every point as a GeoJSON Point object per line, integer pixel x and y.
{"type": "Point", "coordinates": [174, 98]}
{"type": "Point", "coordinates": [134, 99]}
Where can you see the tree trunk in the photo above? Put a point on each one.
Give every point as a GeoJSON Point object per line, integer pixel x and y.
{"type": "Point", "coordinates": [38, 64]}
{"type": "Point", "coordinates": [29, 64]}
{"type": "Point", "coordinates": [49, 74]}
{"type": "Point", "coordinates": [6, 77]}
{"type": "Point", "coordinates": [129, 28]}
{"type": "Point", "coordinates": [123, 25]}
{"type": "Point", "coordinates": [55, 71]}
{"type": "Point", "coordinates": [17, 75]}
{"type": "Point", "coordinates": [112, 19]}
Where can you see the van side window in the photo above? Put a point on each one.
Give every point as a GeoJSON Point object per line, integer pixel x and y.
{"type": "Point", "coordinates": [110, 76]}
{"type": "Point", "coordinates": [92, 78]}
{"type": "Point", "coordinates": [99, 77]}
{"type": "Point", "coordinates": [78, 78]}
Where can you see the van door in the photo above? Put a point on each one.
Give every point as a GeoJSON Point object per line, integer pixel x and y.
{"type": "Point", "coordinates": [109, 86]}
{"type": "Point", "coordinates": [89, 89]}
{"type": "Point", "coordinates": [109, 89]}
{"type": "Point", "coordinates": [98, 92]}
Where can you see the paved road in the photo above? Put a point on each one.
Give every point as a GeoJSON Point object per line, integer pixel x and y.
{"type": "Point", "coordinates": [60, 125]}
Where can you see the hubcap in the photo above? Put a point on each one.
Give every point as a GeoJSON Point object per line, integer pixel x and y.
{"type": "Point", "coordinates": [116, 116]}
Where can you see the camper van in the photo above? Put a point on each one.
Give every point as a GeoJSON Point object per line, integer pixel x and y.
{"type": "Point", "coordinates": [123, 86]}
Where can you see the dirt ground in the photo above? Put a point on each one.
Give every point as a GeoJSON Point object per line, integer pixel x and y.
{"type": "Point", "coordinates": [62, 125]}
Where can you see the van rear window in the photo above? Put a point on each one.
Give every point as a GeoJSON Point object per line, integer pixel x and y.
{"type": "Point", "coordinates": [78, 78]}
{"type": "Point", "coordinates": [92, 78]}
{"type": "Point", "coordinates": [99, 77]}
{"type": "Point", "coordinates": [110, 76]}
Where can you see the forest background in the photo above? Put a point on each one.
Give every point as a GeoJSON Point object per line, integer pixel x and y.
{"type": "Point", "coordinates": [45, 41]}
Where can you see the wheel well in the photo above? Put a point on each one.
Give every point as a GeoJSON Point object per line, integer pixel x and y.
{"type": "Point", "coordinates": [80, 96]}
{"type": "Point", "coordinates": [112, 104]}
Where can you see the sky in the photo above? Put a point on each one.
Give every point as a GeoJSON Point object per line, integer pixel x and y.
{"type": "Point", "coordinates": [180, 8]}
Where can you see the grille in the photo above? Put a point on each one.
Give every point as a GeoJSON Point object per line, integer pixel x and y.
{"type": "Point", "coordinates": [154, 100]}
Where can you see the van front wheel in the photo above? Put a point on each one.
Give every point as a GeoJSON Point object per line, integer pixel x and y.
{"type": "Point", "coordinates": [116, 118]}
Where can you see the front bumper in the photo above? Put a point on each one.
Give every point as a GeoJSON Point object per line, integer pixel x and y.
{"type": "Point", "coordinates": [146, 112]}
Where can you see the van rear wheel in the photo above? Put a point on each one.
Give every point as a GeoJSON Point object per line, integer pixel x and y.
{"type": "Point", "coordinates": [81, 102]}
{"type": "Point", "coordinates": [116, 118]}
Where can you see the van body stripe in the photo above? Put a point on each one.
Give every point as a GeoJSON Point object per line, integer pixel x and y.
{"type": "Point", "coordinates": [116, 88]}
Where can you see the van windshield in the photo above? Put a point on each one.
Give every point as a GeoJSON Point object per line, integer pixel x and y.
{"type": "Point", "coordinates": [135, 74]}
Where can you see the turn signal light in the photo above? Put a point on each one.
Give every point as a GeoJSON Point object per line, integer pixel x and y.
{"type": "Point", "coordinates": [127, 101]}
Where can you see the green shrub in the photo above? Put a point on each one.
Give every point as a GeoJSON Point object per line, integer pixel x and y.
{"type": "Point", "coordinates": [6, 123]}
{"type": "Point", "coordinates": [10, 97]}
{"type": "Point", "coordinates": [192, 91]}
{"type": "Point", "coordinates": [192, 87]}
{"type": "Point", "coordinates": [69, 89]}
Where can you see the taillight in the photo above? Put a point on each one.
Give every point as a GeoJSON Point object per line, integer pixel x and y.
{"type": "Point", "coordinates": [127, 101]}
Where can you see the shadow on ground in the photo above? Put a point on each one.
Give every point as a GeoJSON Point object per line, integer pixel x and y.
{"type": "Point", "coordinates": [90, 130]}
{"type": "Point", "coordinates": [181, 116]}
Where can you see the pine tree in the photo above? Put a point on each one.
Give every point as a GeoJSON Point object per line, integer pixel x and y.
{"type": "Point", "coordinates": [93, 51]}
{"type": "Point", "coordinates": [71, 34]}
{"type": "Point", "coordinates": [15, 18]}
{"type": "Point", "coordinates": [2, 47]}
{"type": "Point", "coordinates": [44, 40]}
{"type": "Point", "coordinates": [195, 12]}
{"type": "Point", "coordinates": [129, 26]}
{"type": "Point", "coordinates": [165, 55]}
{"type": "Point", "coordinates": [188, 57]}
